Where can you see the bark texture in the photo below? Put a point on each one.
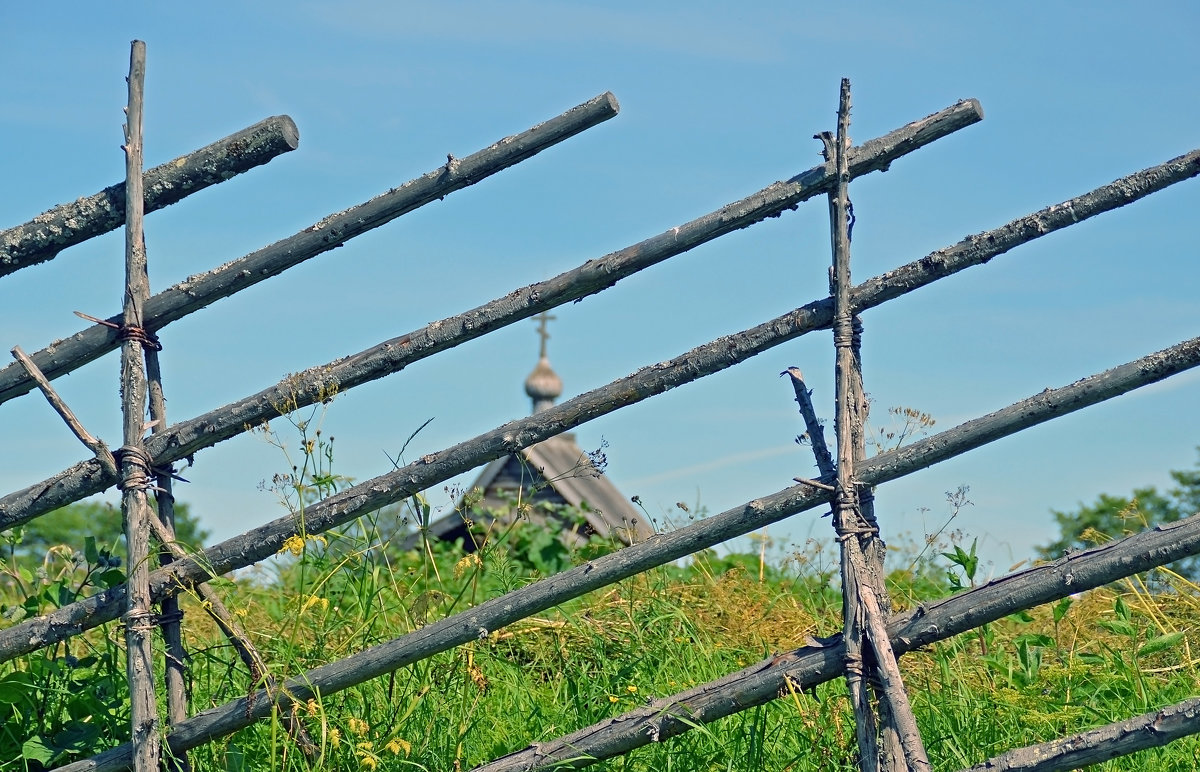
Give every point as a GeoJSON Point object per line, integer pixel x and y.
{"type": "Point", "coordinates": [135, 469]}
{"type": "Point", "coordinates": [1149, 730]}
{"type": "Point", "coordinates": [43, 237]}
{"type": "Point", "coordinates": [780, 676]}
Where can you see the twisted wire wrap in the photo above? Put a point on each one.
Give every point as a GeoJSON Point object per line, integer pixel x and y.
{"type": "Point", "coordinates": [137, 477]}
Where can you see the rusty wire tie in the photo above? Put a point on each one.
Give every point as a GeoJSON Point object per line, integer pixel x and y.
{"type": "Point", "coordinates": [125, 332]}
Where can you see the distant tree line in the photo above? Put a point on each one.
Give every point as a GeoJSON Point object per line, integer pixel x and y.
{"type": "Point", "coordinates": [1112, 516]}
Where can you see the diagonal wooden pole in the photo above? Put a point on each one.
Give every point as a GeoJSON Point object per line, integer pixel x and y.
{"type": "Point", "coordinates": [66, 225]}
{"type": "Point", "coordinates": [862, 550]}
{"type": "Point", "coordinates": [333, 231]}
{"type": "Point", "coordinates": [135, 464]}
{"type": "Point", "coordinates": [346, 505]}
{"type": "Point", "coordinates": [781, 675]}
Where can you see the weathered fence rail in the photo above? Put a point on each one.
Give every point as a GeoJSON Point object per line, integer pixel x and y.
{"type": "Point", "coordinates": [66, 225]}
{"type": "Point", "coordinates": [268, 539]}
{"type": "Point", "coordinates": [754, 685]}
{"type": "Point", "coordinates": [804, 668]}
{"type": "Point", "coordinates": [333, 231]}
{"type": "Point", "coordinates": [390, 356]}
{"type": "Point", "coordinates": [41, 239]}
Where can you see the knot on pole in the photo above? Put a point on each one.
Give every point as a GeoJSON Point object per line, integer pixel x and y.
{"type": "Point", "coordinates": [138, 619]}
{"type": "Point", "coordinates": [849, 520]}
{"type": "Point", "coordinates": [139, 468]}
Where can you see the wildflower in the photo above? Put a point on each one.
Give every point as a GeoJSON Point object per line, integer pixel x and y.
{"type": "Point", "coordinates": [467, 563]}
{"type": "Point", "coordinates": [294, 544]}
{"type": "Point", "coordinates": [395, 745]}
{"type": "Point", "coordinates": [357, 726]}
{"type": "Point", "coordinates": [311, 707]}
{"type": "Point", "coordinates": [241, 612]}
{"type": "Point", "coordinates": [613, 698]}
{"type": "Point", "coordinates": [631, 689]}
{"type": "Point", "coordinates": [313, 600]}
{"type": "Point", "coordinates": [335, 737]}
{"type": "Point", "coordinates": [366, 758]}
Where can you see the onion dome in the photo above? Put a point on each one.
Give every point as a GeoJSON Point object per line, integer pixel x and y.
{"type": "Point", "coordinates": [543, 385]}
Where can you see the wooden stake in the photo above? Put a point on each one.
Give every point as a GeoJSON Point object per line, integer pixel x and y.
{"type": "Point", "coordinates": [164, 528]}
{"type": "Point", "coordinates": [331, 232]}
{"type": "Point", "coordinates": [858, 535]}
{"type": "Point", "coordinates": [135, 464]}
{"type": "Point", "coordinates": [785, 675]}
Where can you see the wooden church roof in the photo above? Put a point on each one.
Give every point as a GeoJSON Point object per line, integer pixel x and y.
{"type": "Point", "coordinates": [555, 471]}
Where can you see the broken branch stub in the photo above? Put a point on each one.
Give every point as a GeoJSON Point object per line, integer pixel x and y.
{"type": "Point", "coordinates": [43, 237]}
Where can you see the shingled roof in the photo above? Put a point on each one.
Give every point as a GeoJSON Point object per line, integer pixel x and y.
{"type": "Point", "coordinates": [548, 477]}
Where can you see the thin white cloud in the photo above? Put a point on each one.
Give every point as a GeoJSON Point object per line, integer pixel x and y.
{"type": "Point", "coordinates": [718, 463]}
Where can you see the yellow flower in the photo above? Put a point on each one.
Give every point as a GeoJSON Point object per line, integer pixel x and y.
{"type": "Point", "coordinates": [465, 565]}
{"type": "Point", "coordinates": [613, 698]}
{"type": "Point", "coordinates": [335, 738]}
{"type": "Point", "coordinates": [357, 726]}
{"type": "Point", "coordinates": [365, 757]}
{"type": "Point", "coordinates": [311, 707]}
{"type": "Point", "coordinates": [312, 600]}
{"type": "Point", "coordinates": [294, 544]}
{"type": "Point", "coordinates": [631, 689]}
{"type": "Point", "coordinates": [395, 745]}
{"type": "Point", "coordinates": [241, 612]}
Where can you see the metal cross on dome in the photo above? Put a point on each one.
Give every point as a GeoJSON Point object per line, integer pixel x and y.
{"type": "Point", "coordinates": [541, 319]}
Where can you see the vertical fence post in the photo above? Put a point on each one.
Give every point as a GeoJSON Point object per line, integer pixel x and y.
{"type": "Point", "coordinates": [135, 464]}
{"type": "Point", "coordinates": [857, 532]}
{"type": "Point", "coordinates": [172, 616]}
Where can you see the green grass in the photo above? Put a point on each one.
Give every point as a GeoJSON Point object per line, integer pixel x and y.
{"type": "Point", "coordinates": [1101, 657]}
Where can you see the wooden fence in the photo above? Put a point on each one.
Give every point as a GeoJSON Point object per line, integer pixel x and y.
{"type": "Point", "coordinates": [865, 654]}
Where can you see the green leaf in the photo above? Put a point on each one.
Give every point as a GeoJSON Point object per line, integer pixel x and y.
{"type": "Point", "coordinates": [1161, 643]}
{"type": "Point", "coordinates": [89, 550]}
{"type": "Point", "coordinates": [1035, 640]}
{"type": "Point", "coordinates": [1122, 610]}
{"type": "Point", "coordinates": [35, 749]}
{"type": "Point", "coordinates": [1060, 609]}
{"type": "Point", "coordinates": [111, 578]}
{"type": "Point", "coordinates": [66, 594]}
{"type": "Point", "coordinates": [15, 688]}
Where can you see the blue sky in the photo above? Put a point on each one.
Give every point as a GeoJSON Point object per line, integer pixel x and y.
{"type": "Point", "coordinates": [717, 103]}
